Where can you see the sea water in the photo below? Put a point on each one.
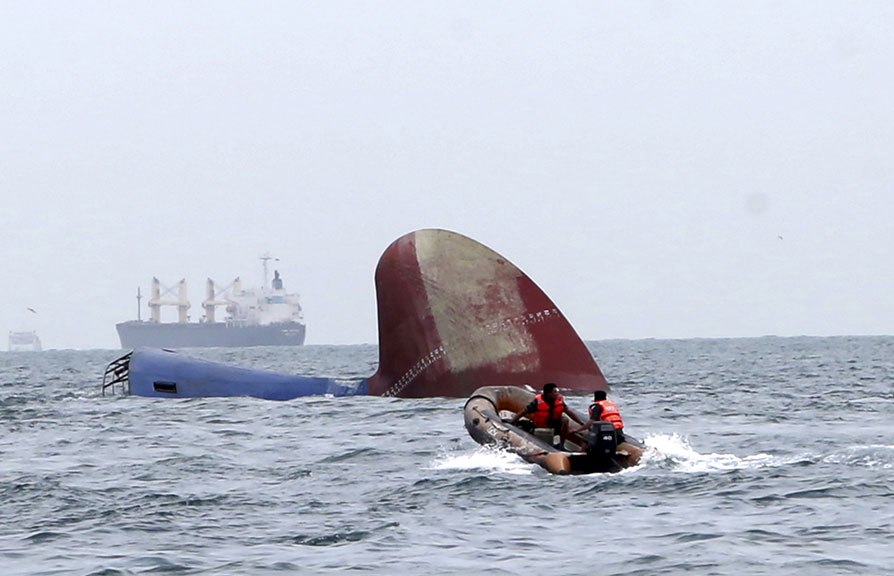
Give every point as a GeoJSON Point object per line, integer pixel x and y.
{"type": "Point", "coordinates": [766, 456]}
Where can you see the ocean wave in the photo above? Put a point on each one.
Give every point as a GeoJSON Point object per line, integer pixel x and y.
{"type": "Point", "coordinates": [785, 475]}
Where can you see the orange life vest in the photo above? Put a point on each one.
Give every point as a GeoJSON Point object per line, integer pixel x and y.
{"type": "Point", "coordinates": [545, 414]}
{"type": "Point", "coordinates": [610, 413]}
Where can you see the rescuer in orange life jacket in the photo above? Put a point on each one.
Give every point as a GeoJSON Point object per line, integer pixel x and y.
{"type": "Point", "coordinates": [546, 410]}
{"type": "Point", "coordinates": [603, 410]}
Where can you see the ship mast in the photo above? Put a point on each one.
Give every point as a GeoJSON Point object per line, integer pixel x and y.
{"type": "Point", "coordinates": [264, 258]}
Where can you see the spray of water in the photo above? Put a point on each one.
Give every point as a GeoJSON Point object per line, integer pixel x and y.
{"type": "Point", "coordinates": [673, 451]}
{"type": "Point", "coordinates": [667, 451]}
{"type": "Point", "coordinates": [485, 458]}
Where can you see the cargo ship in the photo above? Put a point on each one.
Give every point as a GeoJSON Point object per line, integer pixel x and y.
{"type": "Point", "coordinates": [268, 316]}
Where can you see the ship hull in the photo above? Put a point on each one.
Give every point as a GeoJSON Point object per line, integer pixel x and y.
{"type": "Point", "coordinates": [136, 334]}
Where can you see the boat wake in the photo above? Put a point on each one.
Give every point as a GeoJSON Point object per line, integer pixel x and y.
{"type": "Point", "coordinates": [485, 458]}
{"type": "Point", "coordinates": [669, 452]}
{"type": "Point", "coordinates": [672, 451]}
{"type": "Point", "coordinates": [665, 451]}
{"type": "Point", "coordinates": [870, 456]}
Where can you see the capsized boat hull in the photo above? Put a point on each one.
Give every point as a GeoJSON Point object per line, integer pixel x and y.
{"type": "Point", "coordinates": [482, 414]}
{"type": "Point", "coordinates": [454, 314]}
{"type": "Point", "coordinates": [167, 374]}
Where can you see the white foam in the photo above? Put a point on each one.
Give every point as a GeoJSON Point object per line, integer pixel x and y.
{"type": "Point", "coordinates": [871, 400]}
{"type": "Point", "coordinates": [869, 456]}
{"type": "Point", "coordinates": [484, 458]}
{"type": "Point", "coordinates": [674, 451]}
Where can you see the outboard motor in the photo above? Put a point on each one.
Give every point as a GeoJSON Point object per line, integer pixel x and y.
{"type": "Point", "coordinates": [602, 440]}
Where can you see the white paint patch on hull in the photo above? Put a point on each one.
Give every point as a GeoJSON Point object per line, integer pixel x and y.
{"type": "Point", "coordinates": [468, 294]}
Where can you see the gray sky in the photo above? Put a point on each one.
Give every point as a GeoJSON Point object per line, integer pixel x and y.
{"type": "Point", "coordinates": [660, 169]}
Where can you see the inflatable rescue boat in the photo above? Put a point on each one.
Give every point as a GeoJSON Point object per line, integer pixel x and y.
{"type": "Point", "coordinates": [487, 413]}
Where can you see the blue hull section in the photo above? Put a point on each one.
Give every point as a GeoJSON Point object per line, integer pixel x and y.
{"type": "Point", "coordinates": [164, 374]}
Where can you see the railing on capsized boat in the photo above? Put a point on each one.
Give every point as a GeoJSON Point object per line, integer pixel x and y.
{"type": "Point", "coordinates": [117, 372]}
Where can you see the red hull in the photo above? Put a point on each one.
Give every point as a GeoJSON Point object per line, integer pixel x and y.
{"type": "Point", "coordinates": [454, 316]}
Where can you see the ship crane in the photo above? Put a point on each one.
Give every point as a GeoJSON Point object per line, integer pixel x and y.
{"type": "Point", "coordinates": [156, 302]}
{"type": "Point", "coordinates": [215, 298]}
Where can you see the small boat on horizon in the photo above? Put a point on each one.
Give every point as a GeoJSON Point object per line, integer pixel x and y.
{"type": "Point", "coordinates": [24, 341]}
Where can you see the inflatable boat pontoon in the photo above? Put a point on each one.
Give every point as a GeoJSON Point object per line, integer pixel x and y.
{"type": "Point", "coordinates": [487, 413]}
